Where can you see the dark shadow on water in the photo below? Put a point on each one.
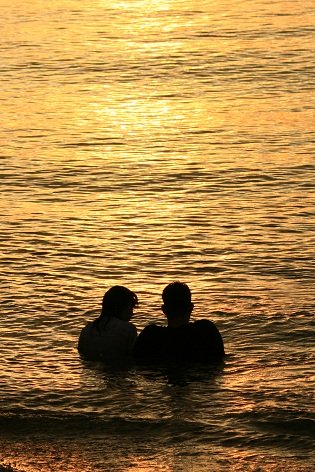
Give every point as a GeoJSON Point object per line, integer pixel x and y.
{"type": "Point", "coordinates": [172, 373]}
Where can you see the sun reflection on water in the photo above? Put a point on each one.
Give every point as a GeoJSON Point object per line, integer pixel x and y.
{"type": "Point", "coordinates": [146, 141]}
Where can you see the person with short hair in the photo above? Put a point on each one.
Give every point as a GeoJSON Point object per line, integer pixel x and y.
{"type": "Point", "coordinates": [181, 339]}
{"type": "Point", "coordinates": [111, 334]}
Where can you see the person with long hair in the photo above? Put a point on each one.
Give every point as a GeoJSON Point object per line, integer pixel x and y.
{"type": "Point", "coordinates": [111, 334]}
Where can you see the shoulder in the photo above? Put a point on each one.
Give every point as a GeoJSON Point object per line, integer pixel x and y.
{"type": "Point", "coordinates": [132, 329]}
{"type": "Point", "coordinates": [149, 340]}
{"type": "Point", "coordinates": [152, 330]}
{"type": "Point", "coordinates": [88, 325]}
{"type": "Point", "coordinates": [204, 325]}
{"type": "Point", "coordinates": [85, 336]}
{"type": "Point", "coordinates": [208, 332]}
{"type": "Point", "coordinates": [87, 328]}
{"type": "Point", "coordinates": [206, 328]}
{"type": "Point", "coordinates": [122, 326]}
{"type": "Point", "coordinates": [153, 327]}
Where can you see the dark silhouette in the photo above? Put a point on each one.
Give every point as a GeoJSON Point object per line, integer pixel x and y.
{"type": "Point", "coordinates": [180, 340]}
{"type": "Point", "coordinates": [111, 334]}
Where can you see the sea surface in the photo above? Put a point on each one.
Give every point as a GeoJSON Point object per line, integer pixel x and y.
{"type": "Point", "coordinates": [142, 142]}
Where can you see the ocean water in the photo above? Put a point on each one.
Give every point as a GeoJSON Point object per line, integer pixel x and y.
{"type": "Point", "coordinates": [146, 141]}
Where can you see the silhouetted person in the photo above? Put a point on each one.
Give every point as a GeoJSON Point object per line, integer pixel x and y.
{"type": "Point", "coordinates": [111, 334]}
{"type": "Point", "coordinates": [180, 339]}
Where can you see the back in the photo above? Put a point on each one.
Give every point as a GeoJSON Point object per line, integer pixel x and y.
{"type": "Point", "coordinates": [112, 337]}
{"type": "Point", "coordinates": [198, 341]}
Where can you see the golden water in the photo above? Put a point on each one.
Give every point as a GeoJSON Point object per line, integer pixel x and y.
{"type": "Point", "coordinates": [144, 142]}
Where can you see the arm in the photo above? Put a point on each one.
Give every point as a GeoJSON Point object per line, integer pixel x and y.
{"type": "Point", "coordinates": [145, 345]}
{"type": "Point", "coordinates": [212, 339]}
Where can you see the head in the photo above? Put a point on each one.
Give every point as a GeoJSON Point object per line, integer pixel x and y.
{"type": "Point", "coordinates": [119, 302]}
{"type": "Point", "coordinates": [177, 305]}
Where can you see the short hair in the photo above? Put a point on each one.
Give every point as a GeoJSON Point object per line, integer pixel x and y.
{"type": "Point", "coordinates": [116, 299]}
{"type": "Point", "coordinates": [176, 297]}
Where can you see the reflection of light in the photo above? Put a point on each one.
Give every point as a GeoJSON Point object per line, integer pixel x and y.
{"type": "Point", "coordinates": [142, 5]}
{"type": "Point", "coordinates": [142, 464]}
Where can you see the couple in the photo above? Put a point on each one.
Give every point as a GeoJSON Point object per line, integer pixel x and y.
{"type": "Point", "coordinates": [112, 334]}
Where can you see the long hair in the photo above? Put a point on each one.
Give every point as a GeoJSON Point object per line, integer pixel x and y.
{"type": "Point", "coordinates": [115, 301]}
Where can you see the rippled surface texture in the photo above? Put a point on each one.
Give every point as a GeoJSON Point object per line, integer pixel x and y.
{"type": "Point", "coordinates": [146, 141]}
